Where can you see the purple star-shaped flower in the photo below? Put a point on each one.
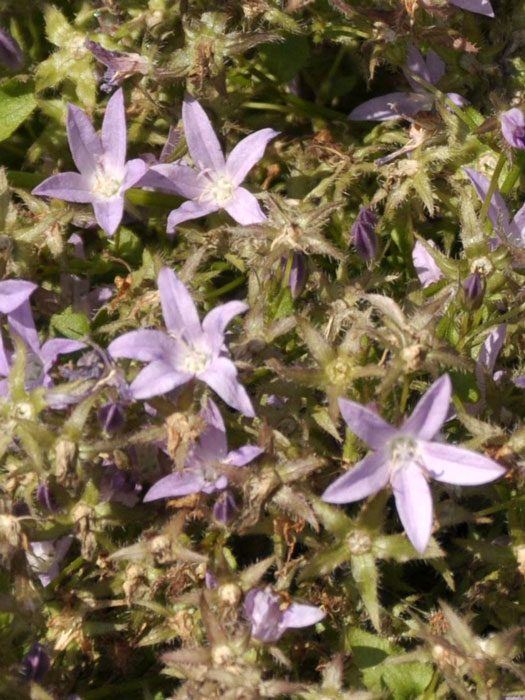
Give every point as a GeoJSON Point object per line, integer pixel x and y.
{"type": "Point", "coordinates": [189, 350]}
{"type": "Point", "coordinates": [203, 471]}
{"type": "Point", "coordinates": [407, 458]}
{"type": "Point", "coordinates": [214, 182]}
{"type": "Point", "coordinates": [513, 127]}
{"type": "Point", "coordinates": [104, 173]}
{"type": "Point", "coordinates": [269, 619]}
{"type": "Point", "coordinates": [397, 105]}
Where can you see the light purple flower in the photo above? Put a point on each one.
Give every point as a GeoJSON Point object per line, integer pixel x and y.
{"type": "Point", "coordinates": [104, 173]}
{"type": "Point", "coordinates": [426, 268]}
{"type": "Point", "coordinates": [513, 127]}
{"type": "Point", "coordinates": [507, 229]}
{"type": "Point", "coordinates": [481, 7]}
{"type": "Point", "coordinates": [10, 52]}
{"type": "Point", "coordinates": [214, 182]}
{"type": "Point", "coordinates": [487, 358]}
{"type": "Point", "coordinates": [397, 105]}
{"type": "Point", "coordinates": [407, 458]}
{"type": "Point", "coordinates": [13, 293]}
{"type": "Point", "coordinates": [270, 619]}
{"type": "Point", "coordinates": [44, 557]}
{"type": "Point", "coordinates": [204, 468]}
{"type": "Point", "coordinates": [189, 350]}
{"type": "Point", "coordinates": [119, 65]}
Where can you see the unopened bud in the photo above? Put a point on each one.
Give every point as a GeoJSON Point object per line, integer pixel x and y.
{"type": "Point", "coordinates": [473, 291]}
{"type": "Point", "coordinates": [363, 233]}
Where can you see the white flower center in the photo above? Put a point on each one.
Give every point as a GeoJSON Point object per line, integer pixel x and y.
{"type": "Point", "coordinates": [403, 451]}
{"type": "Point", "coordinates": [104, 185]}
{"type": "Point", "coordinates": [219, 190]}
{"type": "Point", "coordinates": [195, 361]}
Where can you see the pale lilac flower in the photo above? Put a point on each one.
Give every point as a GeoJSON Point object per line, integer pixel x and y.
{"type": "Point", "coordinates": [204, 468]}
{"type": "Point", "coordinates": [13, 293]}
{"type": "Point", "coordinates": [481, 7]}
{"type": "Point", "coordinates": [486, 362]}
{"type": "Point", "coordinates": [363, 233]}
{"type": "Point", "coordinates": [507, 229]}
{"type": "Point", "coordinates": [513, 127]}
{"type": "Point", "coordinates": [119, 65]}
{"type": "Point", "coordinates": [44, 558]}
{"type": "Point", "coordinates": [215, 182]}
{"type": "Point", "coordinates": [104, 173]}
{"type": "Point", "coordinates": [426, 268]}
{"type": "Point", "coordinates": [407, 104]}
{"type": "Point", "coordinates": [270, 617]}
{"type": "Point", "coordinates": [189, 350]}
{"type": "Point", "coordinates": [36, 663]}
{"type": "Point", "coordinates": [407, 458]}
{"type": "Point", "coordinates": [10, 52]}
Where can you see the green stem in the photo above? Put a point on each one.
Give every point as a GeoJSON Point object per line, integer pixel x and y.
{"type": "Point", "coordinates": [492, 188]}
{"type": "Point", "coordinates": [511, 179]}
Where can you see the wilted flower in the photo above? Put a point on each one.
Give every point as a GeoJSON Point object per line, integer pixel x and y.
{"type": "Point", "coordinates": [10, 52]}
{"type": "Point", "coordinates": [203, 471]}
{"type": "Point", "coordinates": [407, 104]}
{"type": "Point", "coordinates": [426, 268]}
{"type": "Point", "coordinates": [215, 182]}
{"type": "Point", "coordinates": [270, 617]}
{"type": "Point", "coordinates": [44, 557]}
{"type": "Point", "coordinates": [36, 663]}
{"type": "Point", "coordinates": [189, 350]}
{"type": "Point", "coordinates": [513, 127]}
{"type": "Point", "coordinates": [104, 173]}
{"type": "Point", "coordinates": [119, 65]}
{"type": "Point", "coordinates": [363, 233]}
{"type": "Point", "coordinates": [406, 457]}
{"type": "Point", "coordinates": [473, 291]}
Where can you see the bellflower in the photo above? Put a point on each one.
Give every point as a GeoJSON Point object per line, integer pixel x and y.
{"type": "Point", "coordinates": [10, 52]}
{"type": "Point", "coordinates": [270, 619]}
{"type": "Point", "coordinates": [426, 267]}
{"type": "Point", "coordinates": [189, 350]}
{"type": "Point", "coordinates": [407, 457]}
{"type": "Point", "coordinates": [44, 557]}
{"type": "Point", "coordinates": [397, 105]}
{"type": "Point", "coordinates": [104, 173]}
{"type": "Point", "coordinates": [513, 127]}
{"type": "Point", "coordinates": [203, 469]}
{"type": "Point", "coordinates": [215, 182]}
{"type": "Point", "coordinates": [509, 230]}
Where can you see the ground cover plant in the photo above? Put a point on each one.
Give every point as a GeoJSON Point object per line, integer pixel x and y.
{"type": "Point", "coordinates": [262, 351]}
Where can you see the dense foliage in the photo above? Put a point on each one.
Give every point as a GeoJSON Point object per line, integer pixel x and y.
{"type": "Point", "coordinates": [213, 337]}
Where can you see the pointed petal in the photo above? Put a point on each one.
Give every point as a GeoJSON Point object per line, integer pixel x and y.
{"type": "Point", "coordinates": [144, 345]}
{"type": "Point", "coordinates": [203, 144]}
{"type": "Point", "coordinates": [482, 7]}
{"type": "Point", "coordinates": [244, 208]}
{"type": "Point", "coordinates": [435, 67]}
{"type": "Point", "coordinates": [455, 465]}
{"type": "Point", "coordinates": [113, 134]}
{"type": "Point", "coordinates": [431, 410]}
{"type": "Point", "coordinates": [108, 213]}
{"type": "Point", "coordinates": [366, 424]}
{"type": "Point", "coordinates": [22, 323]}
{"type": "Point", "coordinates": [85, 145]}
{"type": "Point", "coordinates": [71, 187]}
{"type": "Point", "coordinates": [416, 64]}
{"type": "Point", "coordinates": [244, 455]}
{"type": "Point", "coordinates": [178, 308]}
{"type": "Point", "coordinates": [13, 293]}
{"type": "Point", "coordinates": [299, 615]}
{"type": "Point", "coordinates": [216, 321]}
{"type": "Point", "coordinates": [414, 504]}
{"type": "Point", "coordinates": [491, 348]}
{"type": "Point", "coordinates": [426, 268]}
{"type": "Point", "coordinates": [156, 379]}
{"type": "Point", "coordinates": [175, 485]}
{"type": "Point", "coordinates": [395, 105]}
{"type": "Point", "coordinates": [221, 376]}
{"type": "Point", "coordinates": [368, 476]}
{"type": "Point", "coordinates": [187, 211]}
{"type": "Point", "coordinates": [212, 445]}
{"type": "Point", "coordinates": [134, 171]}
{"type": "Point", "coordinates": [247, 153]}
{"type": "Point", "coordinates": [517, 237]}
{"type": "Point", "coordinates": [498, 212]}
{"type": "Point", "coordinates": [51, 349]}
{"type": "Point", "coordinates": [182, 179]}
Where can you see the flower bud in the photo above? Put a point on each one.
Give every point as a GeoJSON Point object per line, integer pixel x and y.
{"type": "Point", "coordinates": [45, 497]}
{"type": "Point", "coordinates": [36, 663]}
{"type": "Point", "coordinates": [363, 233]}
{"type": "Point", "coordinates": [111, 417]}
{"type": "Point", "coordinates": [473, 289]}
{"type": "Point", "coordinates": [513, 127]}
{"type": "Point", "coordinates": [224, 508]}
{"type": "Point", "coordinates": [298, 274]}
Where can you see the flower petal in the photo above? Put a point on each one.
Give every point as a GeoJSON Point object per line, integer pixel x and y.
{"type": "Point", "coordinates": [156, 379]}
{"type": "Point", "coordinates": [244, 208]}
{"type": "Point", "coordinates": [456, 465]}
{"type": "Point", "coordinates": [86, 147]}
{"type": "Point", "coordinates": [299, 615]}
{"type": "Point", "coordinates": [187, 211]}
{"type": "Point", "coordinates": [113, 134]}
{"type": "Point", "coordinates": [108, 213]}
{"type": "Point", "coordinates": [13, 293]}
{"type": "Point", "coordinates": [133, 172]}
{"type": "Point", "coordinates": [145, 345]}
{"type": "Point", "coordinates": [5, 365]}
{"type": "Point", "coordinates": [51, 349]}
{"type": "Point", "coordinates": [416, 64]}
{"type": "Point", "coordinates": [10, 52]}
{"type": "Point", "coordinates": [426, 268]}
{"type": "Point", "coordinates": [175, 485]}
{"type": "Point", "coordinates": [181, 179]}
{"type": "Point", "coordinates": [178, 308]}
{"type": "Point", "coordinates": [431, 410]}
{"type": "Point", "coordinates": [482, 7]}
{"type": "Point", "coordinates": [395, 105]}
{"type": "Point", "coordinates": [435, 67]}
{"type": "Point", "coordinates": [498, 212]}
{"type": "Point", "coordinates": [21, 323]}
{"type": "Point", "coordinates": [221, 376]}
{"type": "Point", "coordinates": [491, 349]}
{"type": "Point", "coordinates": [368, 476]}
{"type": "Point", "coordinates": [203, 144]}
{"type": "Point", "coordinates": [71, 187]}
{"type": "Point", "coordinates": [366, 424]}
{"type": "Point", "coordinates": [243, 455]}
{"type": "Point", "coordinates": [216, 321]}
{"type": "Point", "coordinates": [247, 153]}
{"type": "Point", "coordinates": [212, 445]}
{"type": "Point", "coordinates": [414, 504]}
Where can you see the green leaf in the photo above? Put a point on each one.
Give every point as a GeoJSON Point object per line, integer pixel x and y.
{"type": "Point", "coordinates": [407, 681]}
{"type": "Point", "coordinates": [71, 324]}
{"type": "Point", "coordinates": [17, 101]}
{"type": "Point", "coordinates": [285, 60]}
